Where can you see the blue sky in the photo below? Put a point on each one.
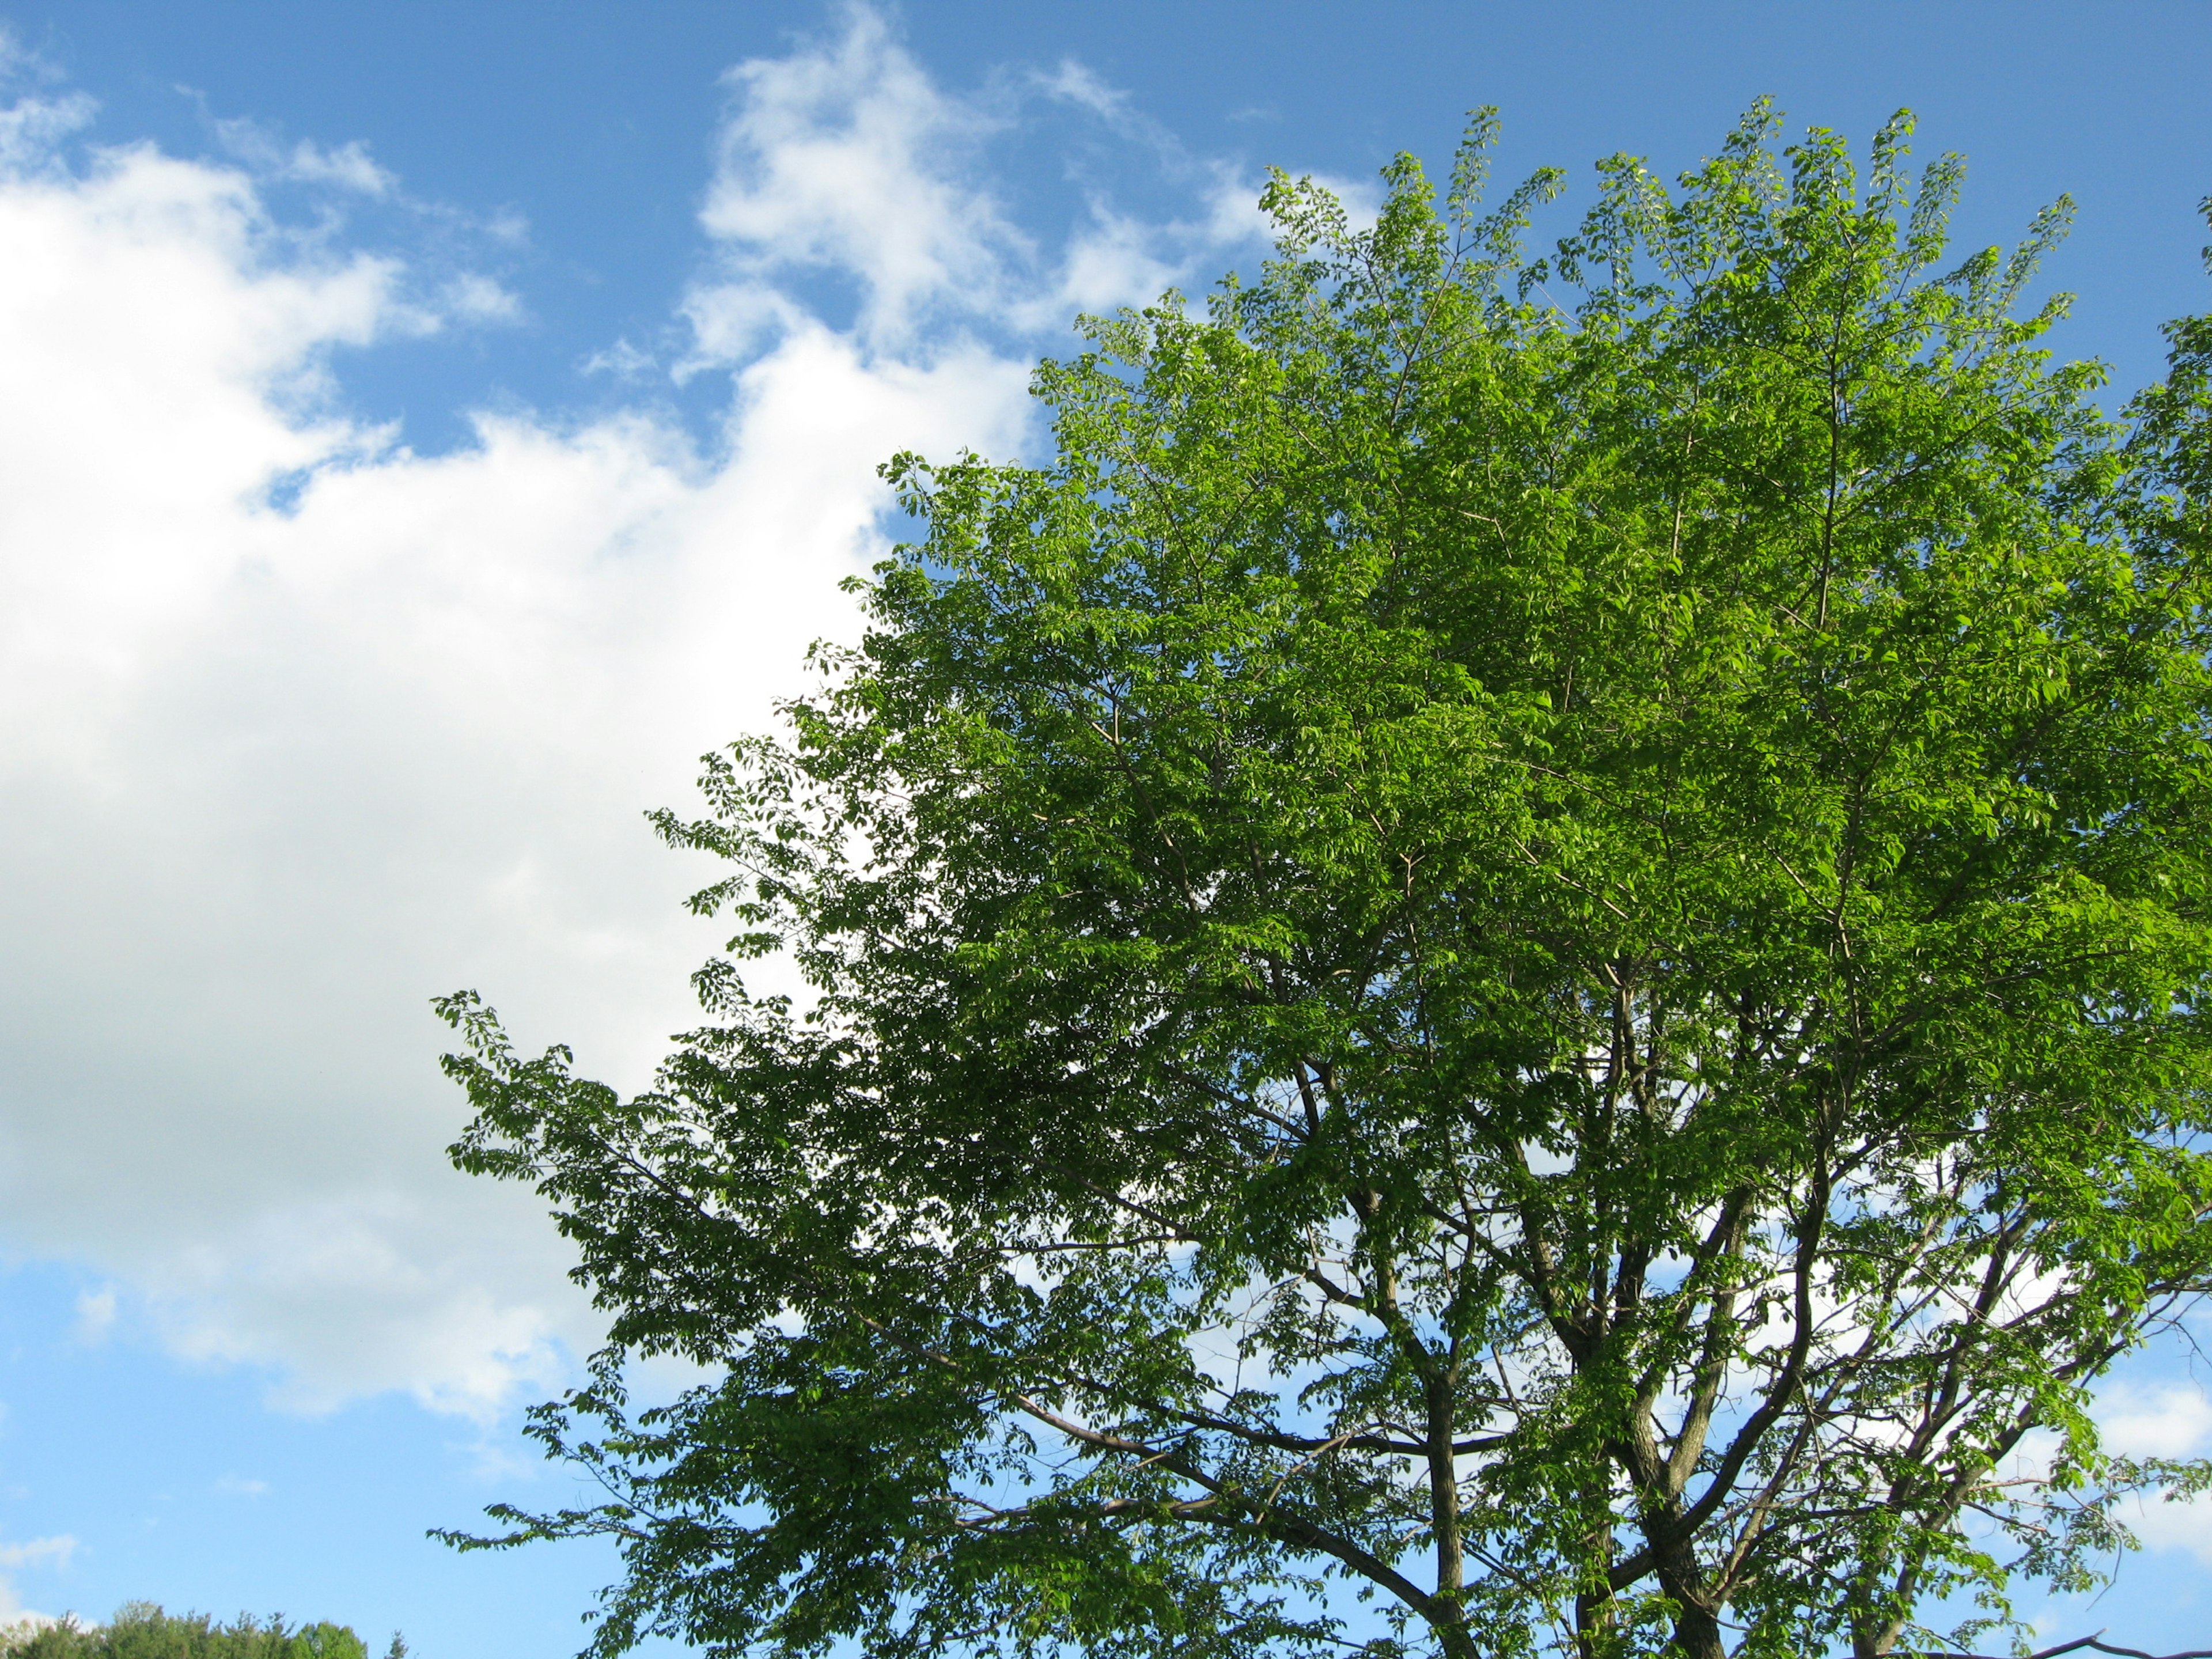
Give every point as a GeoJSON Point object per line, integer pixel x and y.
{"type": "Point", "coordinates": [432, 426]}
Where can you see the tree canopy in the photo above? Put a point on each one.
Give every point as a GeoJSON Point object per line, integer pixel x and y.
{"type": "Point", "coordinates": [141, 1630]}
{"type": "Point", "coordinates": [1517, 964]}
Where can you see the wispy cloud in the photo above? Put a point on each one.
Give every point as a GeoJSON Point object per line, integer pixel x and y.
{"type": "Point", "coordinates": [36, 1552]}
{"type": "Point", "coordinates": [39, 115]}
{"type": "Point", "coordinates": [847, 156]}
{"type": "Point", "coordinates": [346, 167]}
{"type": "Point", "coordinates": [1075, 83]}
{"type": "Point", "coordinates": [95, 1315]}
{"type": "Point", "coordinates": [622, 359]}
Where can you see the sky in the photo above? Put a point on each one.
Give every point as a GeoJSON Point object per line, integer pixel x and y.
{"type": "Point", "coordinates": [430, 428]}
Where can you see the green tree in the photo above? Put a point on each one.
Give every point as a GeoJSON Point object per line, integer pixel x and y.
{"type": "Point", "coordinates": [141, 1630]}
{"type": "Point", "coordinates": [1540, 967]}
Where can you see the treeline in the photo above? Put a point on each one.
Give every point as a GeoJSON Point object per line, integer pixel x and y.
{"type": "Point", "coordinates": [141, 1630]}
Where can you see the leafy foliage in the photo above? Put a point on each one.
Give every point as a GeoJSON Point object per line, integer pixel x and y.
{"type": "Point", "coordinates": [1539, 966]}
{"type": "Point", "coordinates": [140, 1630]}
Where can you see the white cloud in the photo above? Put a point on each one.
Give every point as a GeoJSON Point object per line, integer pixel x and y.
{"type": "Point", "coordinates": [848, 157]}
{"type": "Point", "coordinates": [344, 181]}
{"type": "Point", "coordinates": [272, 775]}
{"type": "Point", "coordinates": [272, 779]}
{"type": "Point", "coordinates": [622, 359]}
{"type": "Point", "coordinates": [269, 779]}
{"type": "Point", "coordinates": [36, 1552]}
{"type": "Point", "coordinates": [1075, 83]}
{"type": "Point", "coordinates": [348, 167]}
{"type": "Point", "coordinates": [476, 298]}
{"type": "Point", "coordinates": [2171, 1419]}
{"type": "Point", "coordinates": [2154, 1421]}
{"type": "Point", "coordinates": [95, 1315]}
{"type": "Point", "coordinates": [2184, 1526]}
{"type": "Point", "coordinates": [32, 126]}
{"type": "Point", "coordinates": [1110, 262]}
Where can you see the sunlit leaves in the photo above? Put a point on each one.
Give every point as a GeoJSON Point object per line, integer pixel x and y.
{"type": "Point", "coordinates": [1541, 964]}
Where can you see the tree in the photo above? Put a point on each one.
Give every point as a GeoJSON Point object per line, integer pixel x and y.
{"type": "Point", "coordinates": [1483, 979]}
{"type": "Point", "coordinates": [141, 1630]}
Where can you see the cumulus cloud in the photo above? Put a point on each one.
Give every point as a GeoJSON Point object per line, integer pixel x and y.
{"type": "Point", "coordinates": [270, 777]}
{"type": "Point", "coordinates": [298, 726]}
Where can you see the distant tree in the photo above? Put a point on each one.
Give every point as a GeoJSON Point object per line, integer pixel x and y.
{"type": "Point", "coordinates": [1545, 968]}
{"type": "Point", "coordinates": [141, 1630]}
